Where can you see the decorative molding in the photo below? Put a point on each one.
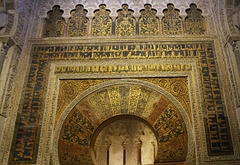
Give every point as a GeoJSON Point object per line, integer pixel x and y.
{"type": "Point", "coordinates": [7, 104]}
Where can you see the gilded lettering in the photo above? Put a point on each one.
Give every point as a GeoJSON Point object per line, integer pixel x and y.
{"type": "Point", "coordinates": [57, 69]}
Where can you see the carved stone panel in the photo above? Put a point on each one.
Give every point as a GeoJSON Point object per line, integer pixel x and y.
{"type": "Point", "coordinates": [172, 22]}
{"type": "Point", "coordinates": [125, 22]}
{"type": "Point", "coordinates": [148, 22]}
{"type": "Point", "coordinates": [194, 21]}
{"type": "Point", "coordinates": [102, 22]}
{"type": "Point", "coordinates": [78, 22]}
{"type": "Point", "coordinates": [54, 25]}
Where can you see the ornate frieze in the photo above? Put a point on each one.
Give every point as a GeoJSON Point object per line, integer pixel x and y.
{"type": "Point", "coordinates": [125, 23]}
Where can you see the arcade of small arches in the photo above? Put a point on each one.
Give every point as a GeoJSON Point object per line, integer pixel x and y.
{"type": "Point", "coordinates": [125, 24]}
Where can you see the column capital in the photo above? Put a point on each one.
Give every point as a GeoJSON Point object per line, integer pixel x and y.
{"type": "Point", "coordinates": [9, 40]}
{"type": "Point", "coordinates": [5, 44]}
{"type": "Point", "coordinates": [233, 40]}
{"type": "Point", "coordinates": [4, 48]}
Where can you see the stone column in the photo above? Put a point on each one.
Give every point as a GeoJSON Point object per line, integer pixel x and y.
{"type": "Point", "coordinates": [124, 153]}
{"type": "Point", "coordinates": [3, 18]}
{"type": "Point", "coordinates": [4, 46]}
{"type": "Point", "coordinates": [90, 26]}
{"type": "Point", "coordinates": [108, 153]}
{"type": "Point", "coordinates": [113, 24]}
{"type": "Point", "coordinates": [139, 152]}
{"type": "Point", "coordinates": [65, 27]}
{"type": "Point", "coordinates": [238, 115]}
{"type": "Point", "coordinates": [154, 150]}
{"type": "Point", "coordinates": [137, 24]}
{"type": "Point", "coordinates": [234, 40]}
{"type": "Point", "coordinates": [236, 49]}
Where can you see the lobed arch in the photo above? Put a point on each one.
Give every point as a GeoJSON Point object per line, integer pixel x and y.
{"type": "Point", "coordinates": [98, 125]}
{"type": "Point", "coordinates": [125, 24]}
{"type": "Point", "coordinates": [131, 129]}
{"type": "Point", "coordinates": [67, 6]}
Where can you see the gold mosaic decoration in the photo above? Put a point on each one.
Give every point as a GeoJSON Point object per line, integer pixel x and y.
{"type": "Point", "coordinates": [178, 87]}
{"type": "Point", "coordinates": [78, 22]}
{"type": "Point", "coordinates": [54, 24]}
{"type": "Point", "coordinates": [172, 22]}
{"type": "Point", "coordinates": [194, 21]}
{"type": "Point", "coordinates": [148, 22]}
{"type": "Point", "coordinates": [70, 89]}
{"type": "Point", "coordinates": [76, 132]}
{"type": "Point", "coordinates": [102, 22]}
{"type": "Point", "coordinates": [125, 22]}
{"type": "Point", "coordinates": [113, 100]}
{"type": "Point", "coordinates": [172, 145]}
{"type": "Point", "coordinates": [26, 134]}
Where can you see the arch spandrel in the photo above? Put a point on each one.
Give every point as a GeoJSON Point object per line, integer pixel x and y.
{"type": "Point", "coordinates": [91, 110]}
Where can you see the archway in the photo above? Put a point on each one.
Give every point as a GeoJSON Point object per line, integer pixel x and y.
{"type": "Point", "coordinates": [152, 104]}
{"type": "Point", "coordinates": [124, 139]}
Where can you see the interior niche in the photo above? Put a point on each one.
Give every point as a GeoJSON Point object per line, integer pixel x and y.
{"type": "Point", "coordinates": [127, 142]}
